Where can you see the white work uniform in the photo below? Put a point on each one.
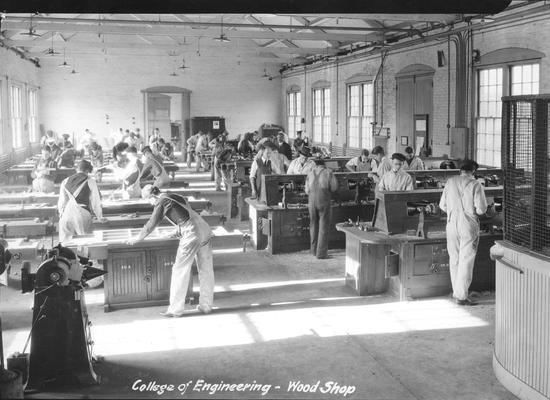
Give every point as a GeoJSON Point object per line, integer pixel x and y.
{"type": "Point", "coordinates": [195, 243]}
{"type": "Point", "coordinates": [384, 166]}
{"type": "Point", "coordinates": [359, 165]}
{"type": "Point", "coordinates": [463, 199]}
{"type": "Point", "coordinates": [415, 165]}
{"type": "Point", "coordinates": [297, 168]}
{"type": "Point", "coordinates": [76, 220]}
{"type": "Point", "coordinates": [393, 181]}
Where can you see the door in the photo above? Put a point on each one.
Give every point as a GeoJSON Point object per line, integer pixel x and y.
{"type": "Point", "coordinates": [161, 262]}
{"type": "Point", "coordinates": [414, 96]}
{"type": "Point", "coordinates": [158, 114]}
{"type": "Point", "coordinates": [127, 279]}
{"type": "Point", "coordinates": [405, 107]}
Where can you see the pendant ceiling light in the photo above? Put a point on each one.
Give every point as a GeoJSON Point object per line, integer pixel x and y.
{"type": "Point", "coordinates": [183, 66]}
{"type": "Point", "coordinates": [64, 64]}
{"type": "Point", "coordinates": [51, 51]}
{"type": "Point", "coordinates": [31, 31]}
{"type": "Point", "coordinates": [222, 38]}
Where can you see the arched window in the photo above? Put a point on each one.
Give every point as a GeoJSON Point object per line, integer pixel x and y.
{"type": "Point", "coordinates": [360, 111]}
{"type": "Point", "coordinates": [293, 110]}
{"type": "Point", "coordinates": [504, 72]}
{"type": "Point", "coordinates": [321, 112]}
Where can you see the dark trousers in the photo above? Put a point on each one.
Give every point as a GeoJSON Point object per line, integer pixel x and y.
{"type": "Point", "coordinates": [319, 225]}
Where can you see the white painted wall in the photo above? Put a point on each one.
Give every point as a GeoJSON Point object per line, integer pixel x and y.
{"type": "Point", "coordinates": [72, 103]}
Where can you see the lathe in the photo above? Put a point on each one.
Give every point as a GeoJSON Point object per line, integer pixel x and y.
{"type": "Point", "coordinates": [404, 248]}
{"type": "Point", "coordinates": [280, 219]}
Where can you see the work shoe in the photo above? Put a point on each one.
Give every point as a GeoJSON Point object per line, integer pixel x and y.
{"type": "Point", "coordinates": [466, 302]}
{"type": "Point", "coordinates": [204, 309]}
{"type": "Point", "coordinates": [166, 314]}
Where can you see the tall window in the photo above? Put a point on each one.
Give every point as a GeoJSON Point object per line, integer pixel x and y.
{"type": "Point", "coordinates": [360, 115]}
{"type": "Point", "coordinates": [493, 83]}
{"type": "Point", "coordinates": [15, 115]}
{"type": "Point", "coordinates": [1, 117]}
{"type": "Point", "coordinates": [321, 115]}
{"type": "Point", "coordinates": [294, 112]}
{"type": "Point", "coordinates": [33, 106]}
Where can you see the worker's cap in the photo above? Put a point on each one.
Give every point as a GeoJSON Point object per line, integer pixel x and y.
{"type": "Point", "coordinates": [281, 133]}
{"type": "Point", "coordinates": [398, 156]}
{"type": "Point", "coordinates": [304, 151]}
{"type": "Point", "coordinates": [66, 135]}
{"type": "Point", "coordinates": [149, 190]}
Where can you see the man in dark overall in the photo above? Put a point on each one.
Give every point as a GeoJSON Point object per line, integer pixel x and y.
{"type": "Point", "coordinates": [261, 166]}
{"type": "Point", "coordinates": [320, 184]}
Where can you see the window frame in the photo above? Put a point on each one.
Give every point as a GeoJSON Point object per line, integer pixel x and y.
{"type": "Point", "coordinates": [297, 117]}
{"type": "Point", "coordinates": [363, 124]}
{"type": "Point", "coordinates": [16, 122]}
{"type": "Point", "coordinates": [322, 120]}
{"type": "Point", "coordinates": [32, 114]}
{"type": "Point", "coordinates": [506, 91]}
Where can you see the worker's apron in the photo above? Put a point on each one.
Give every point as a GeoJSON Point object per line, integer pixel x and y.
{"type": "Point", "coordinates": [134, 190]}
{"type": "Point", "coordinates": [163, 179]}
{"type": "Point", "coordinates": [74, 218]}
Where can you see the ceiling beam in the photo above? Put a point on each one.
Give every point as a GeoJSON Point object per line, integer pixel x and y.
{"type": "Point", "coordinates": [137, 45]}
{"type": "Point", "coordinates": [385, 17]}
{"type": "Point", "coordinates": [80, 55]}
{"type": "Point", "coordinates": [38, 21]}
{"type": "Point", "coordinates": [167, 31]}
{"type": "Point", "coordinates": [285, 42]}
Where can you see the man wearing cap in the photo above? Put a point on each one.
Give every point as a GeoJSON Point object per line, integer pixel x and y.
{"type": "Point", "coordinates": [283, 147]}
{"type": "Point", "coordinates": [195, 244]}
{"type": "Point", "coordinates": [412, 163]}
{"type": "Point", "coordinates": [362, 163]}
{"type": "Point", "coordinates": [320, 184]}
{"type": "Point", "coordinates": [79, 198]}
{"type": "Point", "coordinates": [396, 178]}
{"type": "Point", "coordinates": [302, 164]}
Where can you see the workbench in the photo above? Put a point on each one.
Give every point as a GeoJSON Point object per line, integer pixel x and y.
{"type": "Point", "coordinates": [282, 230]}
{"type": "Point", "coordinates": [139, 275]}
{"type": "Point", "coordinates": [58, 174]}
{"type": "Point", "coordinates": [111, 207]}
{"type": "Point", "coordinates": [408, 266]}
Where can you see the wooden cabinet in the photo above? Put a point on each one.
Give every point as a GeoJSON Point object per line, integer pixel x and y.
{"type": "Point", "coordinates": [139, 276]}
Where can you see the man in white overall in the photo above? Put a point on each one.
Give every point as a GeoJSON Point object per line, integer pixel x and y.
{"type": "Point", "coordinates": [79, 197]}
{"type": "Point", "coordinates": [463, 199]}
{"type": "Point", "coordinates": [195, 243]}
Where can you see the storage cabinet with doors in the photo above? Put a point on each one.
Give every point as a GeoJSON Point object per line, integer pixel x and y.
{"type": "Point", "coordinates": [138, 275]}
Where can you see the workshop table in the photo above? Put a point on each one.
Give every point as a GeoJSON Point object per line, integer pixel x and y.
{"type": "Point", "coordinates": [58, 174]}
{"type": "Point", "coordinates": [34, 210]}
{"type": "Point", "coordinates": [139, 275]}
{"type": "Point", "coordinates": [406, 265]}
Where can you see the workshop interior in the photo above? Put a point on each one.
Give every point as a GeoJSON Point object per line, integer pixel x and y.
{"type": "Point", "coordinates": [286, 205]}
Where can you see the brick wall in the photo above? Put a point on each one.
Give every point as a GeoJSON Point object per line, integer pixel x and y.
{"type": "Point", "coordinates": [530, 33]}
{"type": "Point", "coordinates": [71, 103]}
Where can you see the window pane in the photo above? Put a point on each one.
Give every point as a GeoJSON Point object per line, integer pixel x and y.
{"type": "Point", "coordinates": [298, 103]}
{"type": "Point", "coordinates": [326, 102]}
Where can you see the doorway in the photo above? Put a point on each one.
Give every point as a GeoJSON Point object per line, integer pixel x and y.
{"type": "Point", "coordinates": [414, 107]}
{"type": "Point", "coordinates": [167, 108]}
